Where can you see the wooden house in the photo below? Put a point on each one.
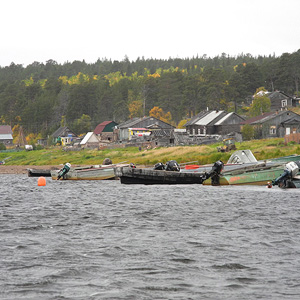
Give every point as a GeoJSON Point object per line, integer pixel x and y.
{"type": "Point", "coordinates": [213, 123]}
{"type": "Point", "coordinates": [105, 130]}
{"type": "Point", "coordinates": [150, 127]}
{"type": "Point", "coordinates": [63, 135]}
{"type": "Point", "coordinates": [281, 101]}
{"type": "Point", "coordinates": [274, 124]}
{"type": "Point", "coordinates": [6, 137]}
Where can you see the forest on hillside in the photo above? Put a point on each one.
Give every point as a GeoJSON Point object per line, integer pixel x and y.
{"type": "Point", "coordinates": [41, 97]}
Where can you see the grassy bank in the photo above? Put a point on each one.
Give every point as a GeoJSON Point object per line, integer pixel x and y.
{"type": "Point", "coordinates": [262, 149]}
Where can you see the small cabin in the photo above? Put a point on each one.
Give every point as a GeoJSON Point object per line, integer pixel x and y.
{"type": "Point", "coordinates": [6, 137]}
{"type": "Point", "coordinates": [90, 140]}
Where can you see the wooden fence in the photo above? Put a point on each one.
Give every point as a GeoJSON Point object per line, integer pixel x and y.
{"type": "Point", "coordinates": [294, 137]}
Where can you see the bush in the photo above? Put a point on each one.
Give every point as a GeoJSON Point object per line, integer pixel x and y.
{"type": "Point", "coordinates": [2, 146]}
{"type": "Point", "coordinates": [247, 132]}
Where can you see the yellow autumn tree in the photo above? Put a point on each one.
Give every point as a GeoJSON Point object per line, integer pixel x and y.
{"type": "Point", "coordinates": [181, 124]}
{"type": "Point", "coordinates": [31, 138]}
{"type": "Point", "coordinates": [16, 128]}
{"type": "Point", "coordinates": [135, 108]}
{"type": "Point", "coordinates": [158, 113]}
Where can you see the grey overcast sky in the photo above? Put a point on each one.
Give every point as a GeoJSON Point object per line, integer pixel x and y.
{"type": "Point", "coordinates": [68, 30]}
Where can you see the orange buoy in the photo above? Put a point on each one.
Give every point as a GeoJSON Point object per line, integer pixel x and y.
{"type": "Point", "coordinates": [42, 181]}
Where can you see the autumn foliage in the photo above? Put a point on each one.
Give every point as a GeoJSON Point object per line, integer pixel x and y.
{"type": "Point", "coordinates": [158, 113]}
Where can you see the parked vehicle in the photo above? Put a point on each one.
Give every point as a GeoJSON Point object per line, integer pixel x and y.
{"type": "Point", "coordinates": [229, 145]}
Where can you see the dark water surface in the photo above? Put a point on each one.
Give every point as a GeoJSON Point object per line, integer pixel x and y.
{"type": "Point", "coordinates": [104, 240]}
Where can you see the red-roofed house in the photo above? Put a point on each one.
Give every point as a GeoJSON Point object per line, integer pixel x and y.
{"type": "Point", "coordinates": [105, 130]}
{"type": "Point", "coordinates": [6, 135]}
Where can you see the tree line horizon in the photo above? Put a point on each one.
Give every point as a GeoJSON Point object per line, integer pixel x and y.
{"type": "Point", "coordinates": [41, 97]}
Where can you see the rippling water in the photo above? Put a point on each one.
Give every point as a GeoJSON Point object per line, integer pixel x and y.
{"type": "Point", "coordinates": [104, 240]}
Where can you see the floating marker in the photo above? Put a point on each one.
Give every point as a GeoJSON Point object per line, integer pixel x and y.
{"type": "Point", "coordinates": [42, 181]}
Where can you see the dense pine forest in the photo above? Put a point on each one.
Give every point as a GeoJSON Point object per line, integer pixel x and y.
{"type": "Point", "coordinates": [43, 96]}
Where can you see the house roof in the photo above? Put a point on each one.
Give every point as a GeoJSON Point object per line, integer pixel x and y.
{"type": "Point", "coordinates": [209, 117]}
{"type": "Point", "coordinates": [277, 94]}
{"type": "Point", "coordinates": [87, 137]}
{"type": "Point", "coordinates": [127, 123]}
{"type": "Point", "coordinates": [5, 129]}
{"type": "Point", "coordinates": [263, 118]}
{"type": "Point", "coordinates": [144, 122]}
{"type": "Point", "coordinates": [196, 118]}
{"type": "Point", "coordinates": [226, 117]}
{"type": "Point", "coordinates": [61, 131]}
{"type": "Point", "coordinates": [292, 121]}
{"type": "Point", "coordinates": [100, 127]}
{"type": "Point", "coordinates": [213, 117]}
{"type": "Point", "coordinates": [6, 136]}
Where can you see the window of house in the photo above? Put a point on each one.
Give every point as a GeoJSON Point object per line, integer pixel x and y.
{"type": "Point", "coordinates": [199, 131]}
{"type": "Point", "coordinates": [284, 102]}
{"type": "Point", "coordinates": [273, 130]}
{"type": "Point", "coordinates": [294, 130]}
{"type": "Point", "coordinates": [193, 131]}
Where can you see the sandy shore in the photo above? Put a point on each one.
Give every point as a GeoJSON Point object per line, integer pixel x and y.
{"type": "Point", "coordinates": [6, 169]}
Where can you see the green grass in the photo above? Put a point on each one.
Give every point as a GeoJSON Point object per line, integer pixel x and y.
{"type": "Point", "coordinates": [262, 149]}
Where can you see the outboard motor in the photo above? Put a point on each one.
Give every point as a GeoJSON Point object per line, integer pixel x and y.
{"type": "Point", "coordinates": [63, 171]}
{"type": "Point", "coordinates": [290, 171]}
{"type": "Point", "coordinates": [159, 166]}
{"type": "Point", "coordinates": [172, 165]}
{"type": "Point", "coordinates": [215, 172]}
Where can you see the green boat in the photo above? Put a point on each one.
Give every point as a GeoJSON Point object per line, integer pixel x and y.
{"type": "Point", "coordinates": [257, 173]}
{"type": "Point", "coordinates": [260, 174]}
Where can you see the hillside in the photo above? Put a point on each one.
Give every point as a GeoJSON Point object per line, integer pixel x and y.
{"type": "Point", "coordinates": [41, 97]}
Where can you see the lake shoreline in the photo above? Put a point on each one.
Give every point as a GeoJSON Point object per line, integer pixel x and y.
{"type": "Point", "coordinates": [11, 169]}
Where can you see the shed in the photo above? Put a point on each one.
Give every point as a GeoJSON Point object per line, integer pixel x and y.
{"type": "Point", "coordinates": [150, 124]}
{"type": "Point", "coordinates": [90, 140]}
{"type": "Point", "coordinates": [105, 130]}
{"type": "Point", "coordinates": [63, 134]}
{"type": "Point", "coordinates": [6, 137]}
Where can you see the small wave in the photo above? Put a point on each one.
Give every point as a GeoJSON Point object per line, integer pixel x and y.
{"type": "Point", "coordinates": [232, 266]}
{"type": "Point", "coordinates": [32, 227]}
{"type": "Point", "coordinates": [283, 241]}
{"type": "Point", "coordinates": [183, 260]}
{"type": "Point", "coordinates": [198, 244]}
{"type": "Point", "coordinates": [234, 286]}
{"type": "Point", "coordinates": [141, 269]}
{"type": "Point", "coordinates": [160, 288]}
{"type": "Point", "coordinates": [245, 279]}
